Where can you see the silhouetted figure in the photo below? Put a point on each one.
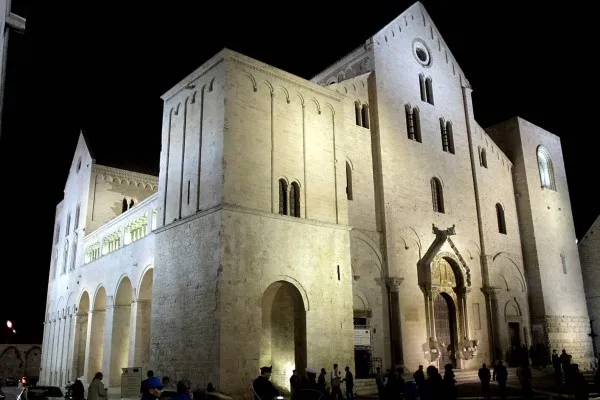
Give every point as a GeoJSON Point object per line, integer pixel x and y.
{"type": "Point", "coordinates": [349, 379]}
{"type": "Point", "coordinates": [579, 385]}
{"type": "Point", "coordinates": [419, 377]}
{"type": "Point", "coordinates": [484, 377]}
{"type": "Point", "coordinates": [322, 383]}
{"type": "Point", "coordinates": [557, 368]}
{"type": "Point", "coordinates": [294, 381]}
{"type": "Point", "coordinates": [263, 387]}
{"type": "Point", "coordinates": [449, 382]}
{"type": "Point", "coordinates": [77, 390]}
{"type": "Point", "coordinates": [433, 384]}
{"type": "Point", "coordinates": [336, 382]}
{"type": "Point", "coordinates": [524, 375]}
{"type": "Point", "coordinates": [501, 376]}
{"type": "Point", "coordinates": [308, 388]}
{"type": "Point", "coordinates": [380, 381]}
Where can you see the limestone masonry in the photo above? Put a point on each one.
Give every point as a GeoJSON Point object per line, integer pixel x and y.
{"type": "Point", "coordinates": [361, 217]}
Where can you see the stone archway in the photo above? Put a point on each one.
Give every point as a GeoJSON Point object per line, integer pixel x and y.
{"type": "Point", "coordinates": [283, 337]}
{"type": "Point", "coordinates": [139, 354]}
{"type": "Point", "coordinates": [96, 345]}
{"type": "Point", "coordinates": [119, 351]}
{"type": "Point", "coordinates": [81, 333]}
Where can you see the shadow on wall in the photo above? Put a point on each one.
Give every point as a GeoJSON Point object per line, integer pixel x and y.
{"type": "Point", "coordinates": [20, 360]}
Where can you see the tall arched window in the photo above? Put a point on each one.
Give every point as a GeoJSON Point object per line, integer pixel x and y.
{"type": "Point", "coordinates": [295, 200]}
{"type": "Point", "coordinates": [422, 87]}
{"type": "Point", "coordinates": [413, 125]}
{"type": "Point", "coordinates": [429, 90]}
{"type": "Point", "coordinates": [482, 158]}
{"type": "Point", "coordinates": [76, 217]}
{"type": "Point", "coordinates": [131, 204]}
{"type": "Point", "coordinates": [124, 205]}
{"type": "Point", "coordinates": [546, 169]}
{"type": "Point", "coordinates": [68, 230]}
{"type": "Point", "coordinates": [437, 195]}
{"type": "Point", "coordinates": [357, 113]}
{"type": "Point", "coordinates": [348, 181]}
{"type": "Point", "coordinates": [73, 253]}
{"type": "Point", "coordinates": [501, 219]}
{"type": "Point", "coordinates": [365, 116]}
{"type": "Point", "coordinates": [65, 257]}
{"type": "Point", "coordinates": [283, 203]}
{"type": "Point", "coordinates": [447, 136]}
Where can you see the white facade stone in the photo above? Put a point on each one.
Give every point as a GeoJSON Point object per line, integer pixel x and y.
{"type": "Point", "coordinates": [210, 275]}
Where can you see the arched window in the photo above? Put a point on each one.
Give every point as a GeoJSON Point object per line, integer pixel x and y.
{"type": "Point", "coordinates": [482, 158]}
{"type": "Point", "coordinates": [65, 257]}
{"type": "Point", "coordinates": [429, 90]}
{"type": "Point", "coordinates": [365, 116]}
{"type": "Point", "coordinates": [437, 195]}
{"type": "Point", "coordinates": [73, 253]}
{"type": "Point", "coordinates": [68, 230]}
{"type": "Point", "coordinates": [131, 204]}
{"type": "Point", "coordinates": [53, 264]}
{"type": "Point", "coordinates": [501, 219]}
{"type": "Point", "coordinates": [357, 113]}
{"type": "Point", "coordinates": [422, 87]}
{"type": "Point", "coordinates": [76, 217]}
{"type": "Point", "coordinates": [348, 181]}
{"type": "Point", "coordinates": [413, 125]}
{"type": "Point", "coordinates": [124, 206]}
{"type": "Point", "coordinates": [295, 200]}
{"type": "Point", "coordinates": [283, 204]}
{"type": "Point", "coordinates": [546, 169]}
{"type": "Point", "coordinates": [447, 136]}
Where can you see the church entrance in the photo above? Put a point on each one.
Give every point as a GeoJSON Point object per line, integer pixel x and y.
{"type": "Point", "coordinates": [283, 337]}
{"type": "Point", "coordinates": [445, 328]}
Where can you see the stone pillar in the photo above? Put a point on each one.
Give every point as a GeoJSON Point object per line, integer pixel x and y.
{"type": "Point", "coordinates": [94, 345]}
{"type": "Point", "coordinates": [132, 334]}
{"type": "Point", "coordinates": [55, 323]}
{"type": "Point", "coordinates": [493, 320]}
{"type": "Point", "coordinates": [62, 353]}
{"type": "Point", "coordinates": [45, 353]}
{"type": "Point", "coordinates": [70, 348]}
{"type": "Point", "coordinates": [107, 344]}
{"type": "Point", "coordinates": [393, 285]}
{"type": "Point", "coordinates": [141, 352]}
{"type": "Point", "coordinates": [462, 297]}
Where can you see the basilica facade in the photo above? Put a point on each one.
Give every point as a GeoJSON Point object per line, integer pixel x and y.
{"type": "Point", "coordinates": [361, 217]}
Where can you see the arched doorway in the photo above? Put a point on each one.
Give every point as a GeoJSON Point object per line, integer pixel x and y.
{"type": "Point", "coordinates": [120, 331]}
{"type": "Point", "coordinates": [283, 338]}
{"type": "Point", "coordinates": [96, 345]}
{"type": "Point", "coordinates": [445, 328]}
{"type": "Point", "coordinates": [140, 357]}
{"type": "Point", "coordinates": [81, 328]}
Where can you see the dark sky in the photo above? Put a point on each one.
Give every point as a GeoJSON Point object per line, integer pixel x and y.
{"type": "Point", "coordinates": [102, 68]}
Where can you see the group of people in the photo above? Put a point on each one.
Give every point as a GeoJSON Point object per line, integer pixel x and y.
{"type": "Point", "coordinates": [306, 386]}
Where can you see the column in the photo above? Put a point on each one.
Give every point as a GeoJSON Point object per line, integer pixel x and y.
{"type": "Point", "coordinates": [492, 313]}
{"type": "Point", "coordinates": [141, 352]}
{"type": "Point", "coordinates": [107, 345]}
{"type": "Point", "coordinates": [133, 327]}
{"type": "Point", "coordinates": [45, 352]}
{"type": "Point", "coordinates": [393, 285]}
{"type": "Point", "coordinates": [69, 371]}
{"type": "Point", "coordinates": [62, 352]}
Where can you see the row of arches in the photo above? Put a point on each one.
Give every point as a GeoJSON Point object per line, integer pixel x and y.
{"type": "Point", "coordinates": [101, 332]}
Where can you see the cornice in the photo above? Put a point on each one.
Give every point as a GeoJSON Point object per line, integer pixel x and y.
{"type": "Point", "coordinates": [305, 84]}
{"type": "Point", "coordinates": [127, 175]}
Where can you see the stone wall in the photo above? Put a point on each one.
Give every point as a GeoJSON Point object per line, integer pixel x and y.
{"type": "Point", "coordinates": [18, 360]}
{"type": "Point", "coordinates": [589, 253]}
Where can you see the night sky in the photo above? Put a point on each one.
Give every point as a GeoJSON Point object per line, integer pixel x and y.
{"type": "Point", "coordinates": [103, 68]}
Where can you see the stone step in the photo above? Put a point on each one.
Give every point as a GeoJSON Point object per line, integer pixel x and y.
{"type": "Point", "coordinates": [365, 387]}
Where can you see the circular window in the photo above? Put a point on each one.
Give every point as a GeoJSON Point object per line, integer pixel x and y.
{"type": "Point", "coordinates": [421, 52]}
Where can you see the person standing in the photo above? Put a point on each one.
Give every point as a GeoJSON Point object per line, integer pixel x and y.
{"type": "Point", "coordinates": [484, 377]}
{"type": "Point", "coordinates": [349, 379]}
{"type": "Point", "coordinates": [96, 390]}
{"type": "Point", "coordinates": [336, 382]}
{"type": "Point", "coordinates": [263, 387]}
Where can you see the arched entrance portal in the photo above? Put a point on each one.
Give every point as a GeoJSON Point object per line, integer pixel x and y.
{"type": "Point", "coordinates": [283, 337]}
{"type": "Point", "coordinates": [445, 327]}
{"type": "Point", "coordinates": [81, 333]}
